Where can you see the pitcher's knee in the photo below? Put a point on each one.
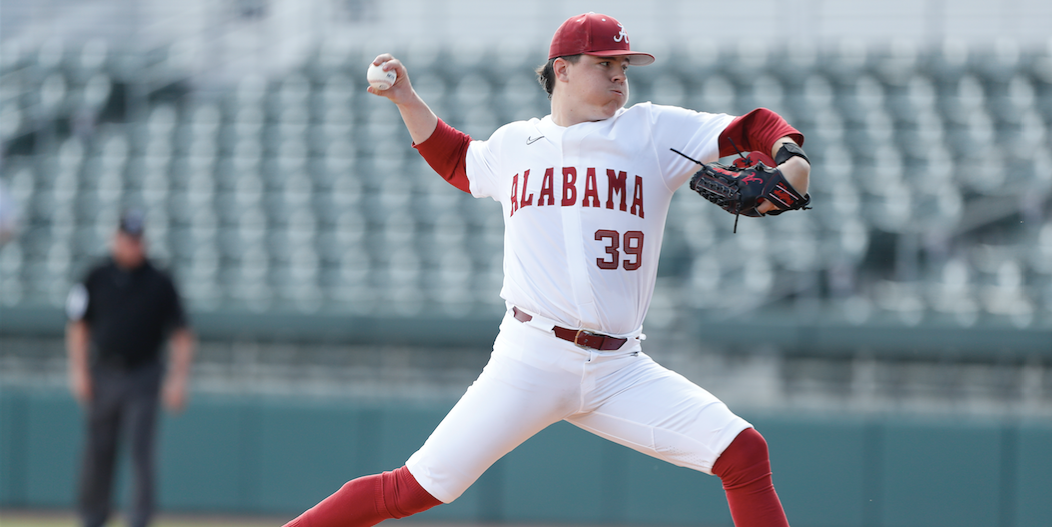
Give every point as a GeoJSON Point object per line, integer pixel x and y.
{"type": "Point", "coordinates": [745, 460]}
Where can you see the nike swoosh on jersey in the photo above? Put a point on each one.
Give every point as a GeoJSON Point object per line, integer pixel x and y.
{"type": "Point", "coordinates": [531, 140]}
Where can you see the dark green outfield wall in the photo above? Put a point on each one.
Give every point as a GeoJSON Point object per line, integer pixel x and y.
{"type": "Point", "coordinates": [280, 456]}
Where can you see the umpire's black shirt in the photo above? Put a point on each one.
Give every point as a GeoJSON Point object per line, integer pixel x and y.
{"type": "Point", "coordinates": [129, 312]}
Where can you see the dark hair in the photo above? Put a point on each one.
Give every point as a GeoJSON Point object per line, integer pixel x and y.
{"type": "Point", "coordinates": [546, 73]}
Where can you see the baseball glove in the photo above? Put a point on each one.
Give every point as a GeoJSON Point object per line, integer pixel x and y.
{"type": "Point", "coordinates": [744, 186]}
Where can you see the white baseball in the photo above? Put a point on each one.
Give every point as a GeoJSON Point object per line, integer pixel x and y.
{"type": "Point", "coordinates": [380, 79]}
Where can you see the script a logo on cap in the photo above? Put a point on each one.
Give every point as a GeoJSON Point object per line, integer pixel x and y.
{"type": "Point", "coordinates": [622, 35]}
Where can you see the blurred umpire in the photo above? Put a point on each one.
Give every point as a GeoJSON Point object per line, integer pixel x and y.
{"type": "Point", "coordinates": [119, 317]}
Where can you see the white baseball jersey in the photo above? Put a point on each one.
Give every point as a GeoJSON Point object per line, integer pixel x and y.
{"type": "Point", "coordinates": [584, 211]}
{"type": "Point", "coordinates": [585, 206]}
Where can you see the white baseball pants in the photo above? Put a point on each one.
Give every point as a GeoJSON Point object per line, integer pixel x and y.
{"type": "Point", "coordinates": [534, 379]}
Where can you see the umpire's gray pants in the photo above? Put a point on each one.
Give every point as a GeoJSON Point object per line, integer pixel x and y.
{"type": "Point", "coordinates": [123, 406]}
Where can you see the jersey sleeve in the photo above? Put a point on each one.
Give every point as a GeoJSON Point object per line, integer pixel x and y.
{"type": "Point", "coordinates": [483, 165]}
{"type": "Point", "coordinates": [77, 303]}
{"type": "Point", "coordinates": [446, 152]}
{"type": "Point", "coordinates": [466, 164]}
{"type": "Point", "coordinates": [696, 134]}
{"type": "Point", "coordinates": [79, 300]}
{"type": "Point", "coordinates": [176, 314]}
{"type": "Point", "coordinates": [756, 131]}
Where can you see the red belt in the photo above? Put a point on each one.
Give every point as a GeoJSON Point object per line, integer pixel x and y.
{"type": "Point", "coordinates": [585, 339]}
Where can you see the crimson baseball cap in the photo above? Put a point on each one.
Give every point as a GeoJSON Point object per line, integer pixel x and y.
{"type": "Point", "coordinates": [595, 34]}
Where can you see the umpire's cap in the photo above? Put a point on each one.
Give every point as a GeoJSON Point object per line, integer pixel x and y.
{"type": "Point", "coordinates": [133, 222]}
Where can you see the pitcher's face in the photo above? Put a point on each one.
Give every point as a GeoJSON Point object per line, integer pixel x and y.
{"type": "Point", "coordinates": [598, 86]}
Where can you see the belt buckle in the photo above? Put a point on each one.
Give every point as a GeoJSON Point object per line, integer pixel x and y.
{"type": "Point", "coordinates": [577, 336]}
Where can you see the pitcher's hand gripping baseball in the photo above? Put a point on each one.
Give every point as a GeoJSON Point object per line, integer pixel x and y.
{"type": "Point", "coordinates": [418, 118]}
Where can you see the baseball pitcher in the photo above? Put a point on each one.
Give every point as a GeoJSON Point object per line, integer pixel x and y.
{"type": "Point", "coordinates": [584, 193]}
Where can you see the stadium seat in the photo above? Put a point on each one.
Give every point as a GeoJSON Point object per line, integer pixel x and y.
{"type": "Point", "coordinates": [1006, 295]}
{"type": "Point", "coordinates": [902, 300]}
{"type": "Point", "coordinates": [846, 243]}
{"type": "Point", "coordinates": [716, 95]}
{"type": "Point", "coordinates": [953, 293]}
{"type": "Point", "coordinates": [310, 197]}
{"type": "Point", "coordinates": [705, 282]}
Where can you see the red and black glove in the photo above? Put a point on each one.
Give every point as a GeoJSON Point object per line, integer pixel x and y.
{"type": "Point", "coordinates": [745, 185]}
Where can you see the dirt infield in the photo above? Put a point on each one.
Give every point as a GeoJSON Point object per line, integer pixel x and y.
{"type": "Point", "coordinates": [61, 518]}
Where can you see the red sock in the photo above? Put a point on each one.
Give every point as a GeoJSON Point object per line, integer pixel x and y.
{"type": "Point", "coordinates": [745, 469]}
{"type": "Point", "coordinates": [369, 500]}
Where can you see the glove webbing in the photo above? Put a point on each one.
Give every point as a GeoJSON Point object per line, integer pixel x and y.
{"type": "Point", "coordinates": [716, 192]}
